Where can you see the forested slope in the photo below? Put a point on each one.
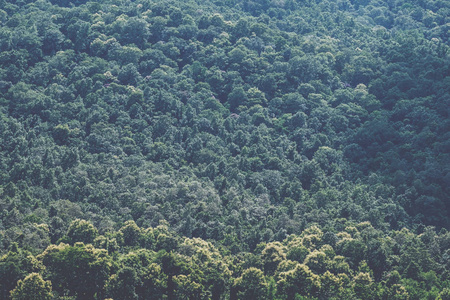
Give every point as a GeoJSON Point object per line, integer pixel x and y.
{"type": "Point", "coordinates": [224, 150]}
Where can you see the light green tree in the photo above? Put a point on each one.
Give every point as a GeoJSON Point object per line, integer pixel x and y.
{"type": "Point", "coordinates": [82, 231]}
{"type": "Point", "coordinates": [32, 287]}
{"type": "Point", "coordinates": [252, 284]}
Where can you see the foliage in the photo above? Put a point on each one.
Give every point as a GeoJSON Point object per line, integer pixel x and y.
{"type": "Point", "coordinates": [32, 287]}
{"type": "Point", "coordinates": [224, 149]}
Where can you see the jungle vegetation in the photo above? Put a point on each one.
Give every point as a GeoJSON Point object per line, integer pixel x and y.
{"type": "Point", "coordinates": [235, 149]}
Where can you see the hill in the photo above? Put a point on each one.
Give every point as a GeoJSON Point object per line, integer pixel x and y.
{"type": "Point", "coordinates": [224, 149]}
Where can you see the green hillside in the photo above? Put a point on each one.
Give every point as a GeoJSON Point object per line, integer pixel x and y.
{"type": "Point", "coordinates": [266, 149]}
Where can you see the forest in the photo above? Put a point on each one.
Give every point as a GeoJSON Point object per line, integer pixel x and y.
{"type": "Point", "coordinates": [224, 150]}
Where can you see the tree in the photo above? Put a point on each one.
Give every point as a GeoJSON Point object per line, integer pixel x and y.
{"type": "Point", "coordinates": [171, 266]}
{"type": "Point", "coordinates": [123, 284]}
{"type": "Point", "coordinates": [32, 287]}
{"type": "Point", "coordinates": [81, 231]}
{"type": "Point", "coordinates": [154, 282]}
{"type": "Point", "coordinates": [135, 31]}
{"type": "Point", "coordinates": [131, 233]}
{"type": "Point", "coordinates": [317, 261]}
{"type": "Point", "coordinates": [444, 295]}
{"type": "Point", "coordinates": [354, 249]}
{"type": "Point", "coordinates": [363, 285]}
{"type": "Point", "coordinates": [237, 97]}
{"type": "Point", "coordinates": [82, 270]}
{"type": "Point", "coordinates": [61, 134]}
{"type": "Point", "coordinates": [14, 266]}
{"type": "Point", "coordinates": [330, 286]}
{"type": "Point", "coordinates": [299, 280]}
{"type": "Point", "coordinates": [252, 284]}
{"type": "Point", "coordinates": [187, 288]}
{"type": "Point", "coordinates": [79, 33]}
{"type": "Point", "coordinates": [271, 256]}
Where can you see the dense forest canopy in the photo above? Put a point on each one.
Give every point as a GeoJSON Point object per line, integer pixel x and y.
{"type": "Point", "coordinates": [266, 149]}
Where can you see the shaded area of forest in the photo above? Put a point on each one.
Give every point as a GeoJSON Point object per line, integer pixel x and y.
{"type": "Point", "coordinates": [225, 150]}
